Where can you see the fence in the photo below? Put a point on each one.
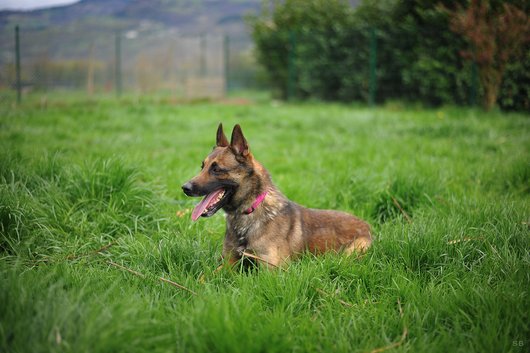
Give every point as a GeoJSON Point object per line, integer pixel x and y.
{"type": "Point", "coordinates": [210, 65]}
{"type": "Point", "coordinates": [367, 65]}
{"type": "Point", "coordinates": [186, 66]}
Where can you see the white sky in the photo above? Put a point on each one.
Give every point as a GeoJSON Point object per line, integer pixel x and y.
{"type": "Point", "coordinates": [31, 4]}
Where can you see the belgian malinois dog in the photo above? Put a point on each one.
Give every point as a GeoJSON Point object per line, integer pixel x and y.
{"type": "Point", "coordinates": [260, 220]}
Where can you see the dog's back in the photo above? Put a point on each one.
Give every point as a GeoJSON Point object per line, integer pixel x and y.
{"type": "Point", "coordinates": [279, 230]}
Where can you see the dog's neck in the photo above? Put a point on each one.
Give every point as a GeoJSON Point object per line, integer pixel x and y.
{"type": "Point", "coordinates": [261, 183]}
{"type": "Point", "coordinates": [256, 203]}
{"type": "Point", "coordinates": [244, 226]}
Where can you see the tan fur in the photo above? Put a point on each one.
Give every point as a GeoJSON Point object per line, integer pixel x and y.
{"type": "Point", "coordinates": [278, 230]}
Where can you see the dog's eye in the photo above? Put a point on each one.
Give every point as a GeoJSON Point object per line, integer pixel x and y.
{"type": "Point", "coordinates": [215, 168]}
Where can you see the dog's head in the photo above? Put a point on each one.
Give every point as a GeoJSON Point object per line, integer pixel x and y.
{"type": "Point", "coordinates": [222, 173]}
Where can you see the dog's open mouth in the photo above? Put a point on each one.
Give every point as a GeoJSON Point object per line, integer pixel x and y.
{"type": "Point", "coordinates": [210, 204]}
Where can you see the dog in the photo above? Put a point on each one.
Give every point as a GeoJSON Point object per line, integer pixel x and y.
{"type": "Point", "coordinates": [261, 223]}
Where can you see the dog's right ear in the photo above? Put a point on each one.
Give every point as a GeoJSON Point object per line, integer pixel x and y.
{"type": "Point", "coordinates": [221, 141]}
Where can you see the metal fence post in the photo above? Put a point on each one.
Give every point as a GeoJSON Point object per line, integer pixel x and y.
{"type": "Point", "coordinates": [117, 65]}
{"type": "Point", "coordinates": [17, 65]}
{"type": "Point", "coordinates": [203, 55]}
{"type": "Point", "coordinates": [373, 67]}
{"type": "Point", "coordinates": [90, 70]}
{"type": "Point", "coordinates": [474, 84]}
{"type": "Point", "coordinates": [226, 47]}
{"type": "Point", "coordinates": [291, 66]}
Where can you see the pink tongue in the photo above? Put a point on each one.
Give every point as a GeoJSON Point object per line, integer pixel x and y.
{"type": "Point", "coordinates": [201, 206]}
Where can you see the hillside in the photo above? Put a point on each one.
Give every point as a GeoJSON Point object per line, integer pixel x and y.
{"type": "Point", "coordinates": [161, 40]}
{"type": "Point", "coordinates": [63, 36]}
{"type": "Point", "coordinates": [189, 16]}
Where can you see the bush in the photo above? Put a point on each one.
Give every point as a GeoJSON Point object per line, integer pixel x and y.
{"type": "Point", "coordinates": [322, 49]}
{"type": "Point", "coordinates": [312, 25]}
{"type": "Point", "coordinates": [515, 89]}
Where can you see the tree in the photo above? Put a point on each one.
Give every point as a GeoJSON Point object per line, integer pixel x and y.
{"type": "Point", "coordinates": [494, 36]}
{"type": "Point", "coordinates": [300, 26]}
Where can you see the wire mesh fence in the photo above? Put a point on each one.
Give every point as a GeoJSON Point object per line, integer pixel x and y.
{"type": "Point", "coordinates": [366, 65]}
{"type": "Point", "coordinates": [198, 66]}
{"type": "Point", "coordinates": [361, 66]}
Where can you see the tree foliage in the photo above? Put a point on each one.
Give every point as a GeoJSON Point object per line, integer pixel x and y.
{"type": "Point", "coordinates": [305, 24]}
{"type": "Point", "coordinates": [324, 47]}
{"type": "Point", "coordinates": [494, 38]}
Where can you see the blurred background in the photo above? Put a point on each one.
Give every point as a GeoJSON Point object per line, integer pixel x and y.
{"type": "Point", "coordinates": [352, 51]}
{"type": "Point", "coordinates": [108, 106]}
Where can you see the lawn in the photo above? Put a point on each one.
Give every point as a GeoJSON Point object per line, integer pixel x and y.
{"type": "Point", "coordinates": [90, 191]}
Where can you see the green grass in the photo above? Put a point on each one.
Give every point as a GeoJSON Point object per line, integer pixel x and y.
{"type": "Point", "coordinates": [78, 175]}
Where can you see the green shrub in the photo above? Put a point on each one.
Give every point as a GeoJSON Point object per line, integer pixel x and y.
{"type": "Point", "coordinates": [321, 49]}
{"type": "Point", "coordinates": [322, 22]}
{"type": "Point", "coordinates": [515, 88]}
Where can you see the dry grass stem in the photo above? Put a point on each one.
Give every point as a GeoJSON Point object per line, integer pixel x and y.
{"type": "Point", "coordinates": [456, 241]}
{"type": "Point", "coordinates": [103, 248]}
{"type": "Point", "coordinates": [345, 303]}
{"type": "Point", "coordinates": [252, 256]}
{"type": "Point", "coordinates": [136, 273]}
{"type": "Point", "coordinates": [407, 217]}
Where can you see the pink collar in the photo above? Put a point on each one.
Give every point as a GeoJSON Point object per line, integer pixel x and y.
{"type": "Point", "coordinates": [256, 203]}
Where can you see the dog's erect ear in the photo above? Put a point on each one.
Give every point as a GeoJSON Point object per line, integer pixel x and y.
{"type": "Point", "coordinates": [238, 143]}
{"type": "Point", "coordinates": [221, 141]}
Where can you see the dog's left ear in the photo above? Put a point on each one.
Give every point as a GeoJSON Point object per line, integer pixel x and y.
{"type": "Point", "coordinates": [239, 143]}
{"type": "Point", "coordinates": [221, 140]}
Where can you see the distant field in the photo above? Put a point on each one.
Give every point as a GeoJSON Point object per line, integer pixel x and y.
{"type": "Point", "coordinates": [447, 192]}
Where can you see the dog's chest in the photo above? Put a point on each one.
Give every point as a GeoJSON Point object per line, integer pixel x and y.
{"type": "Point", "coordinates": [243, 227]}
{"type": "Point", "coordinates": [248, 231]}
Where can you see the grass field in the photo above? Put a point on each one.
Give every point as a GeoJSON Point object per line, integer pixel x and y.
{"type": "Point", "coordinates": [449, 270]}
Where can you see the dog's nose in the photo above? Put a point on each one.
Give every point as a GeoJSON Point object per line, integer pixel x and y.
{"type": "Point", "coordinates": [187, 188]}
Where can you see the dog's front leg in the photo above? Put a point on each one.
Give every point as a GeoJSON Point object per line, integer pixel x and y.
{"type": "Point", "coordinates": [270, 258]}
{"type": "Point", "coordinates": [229, 261]}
